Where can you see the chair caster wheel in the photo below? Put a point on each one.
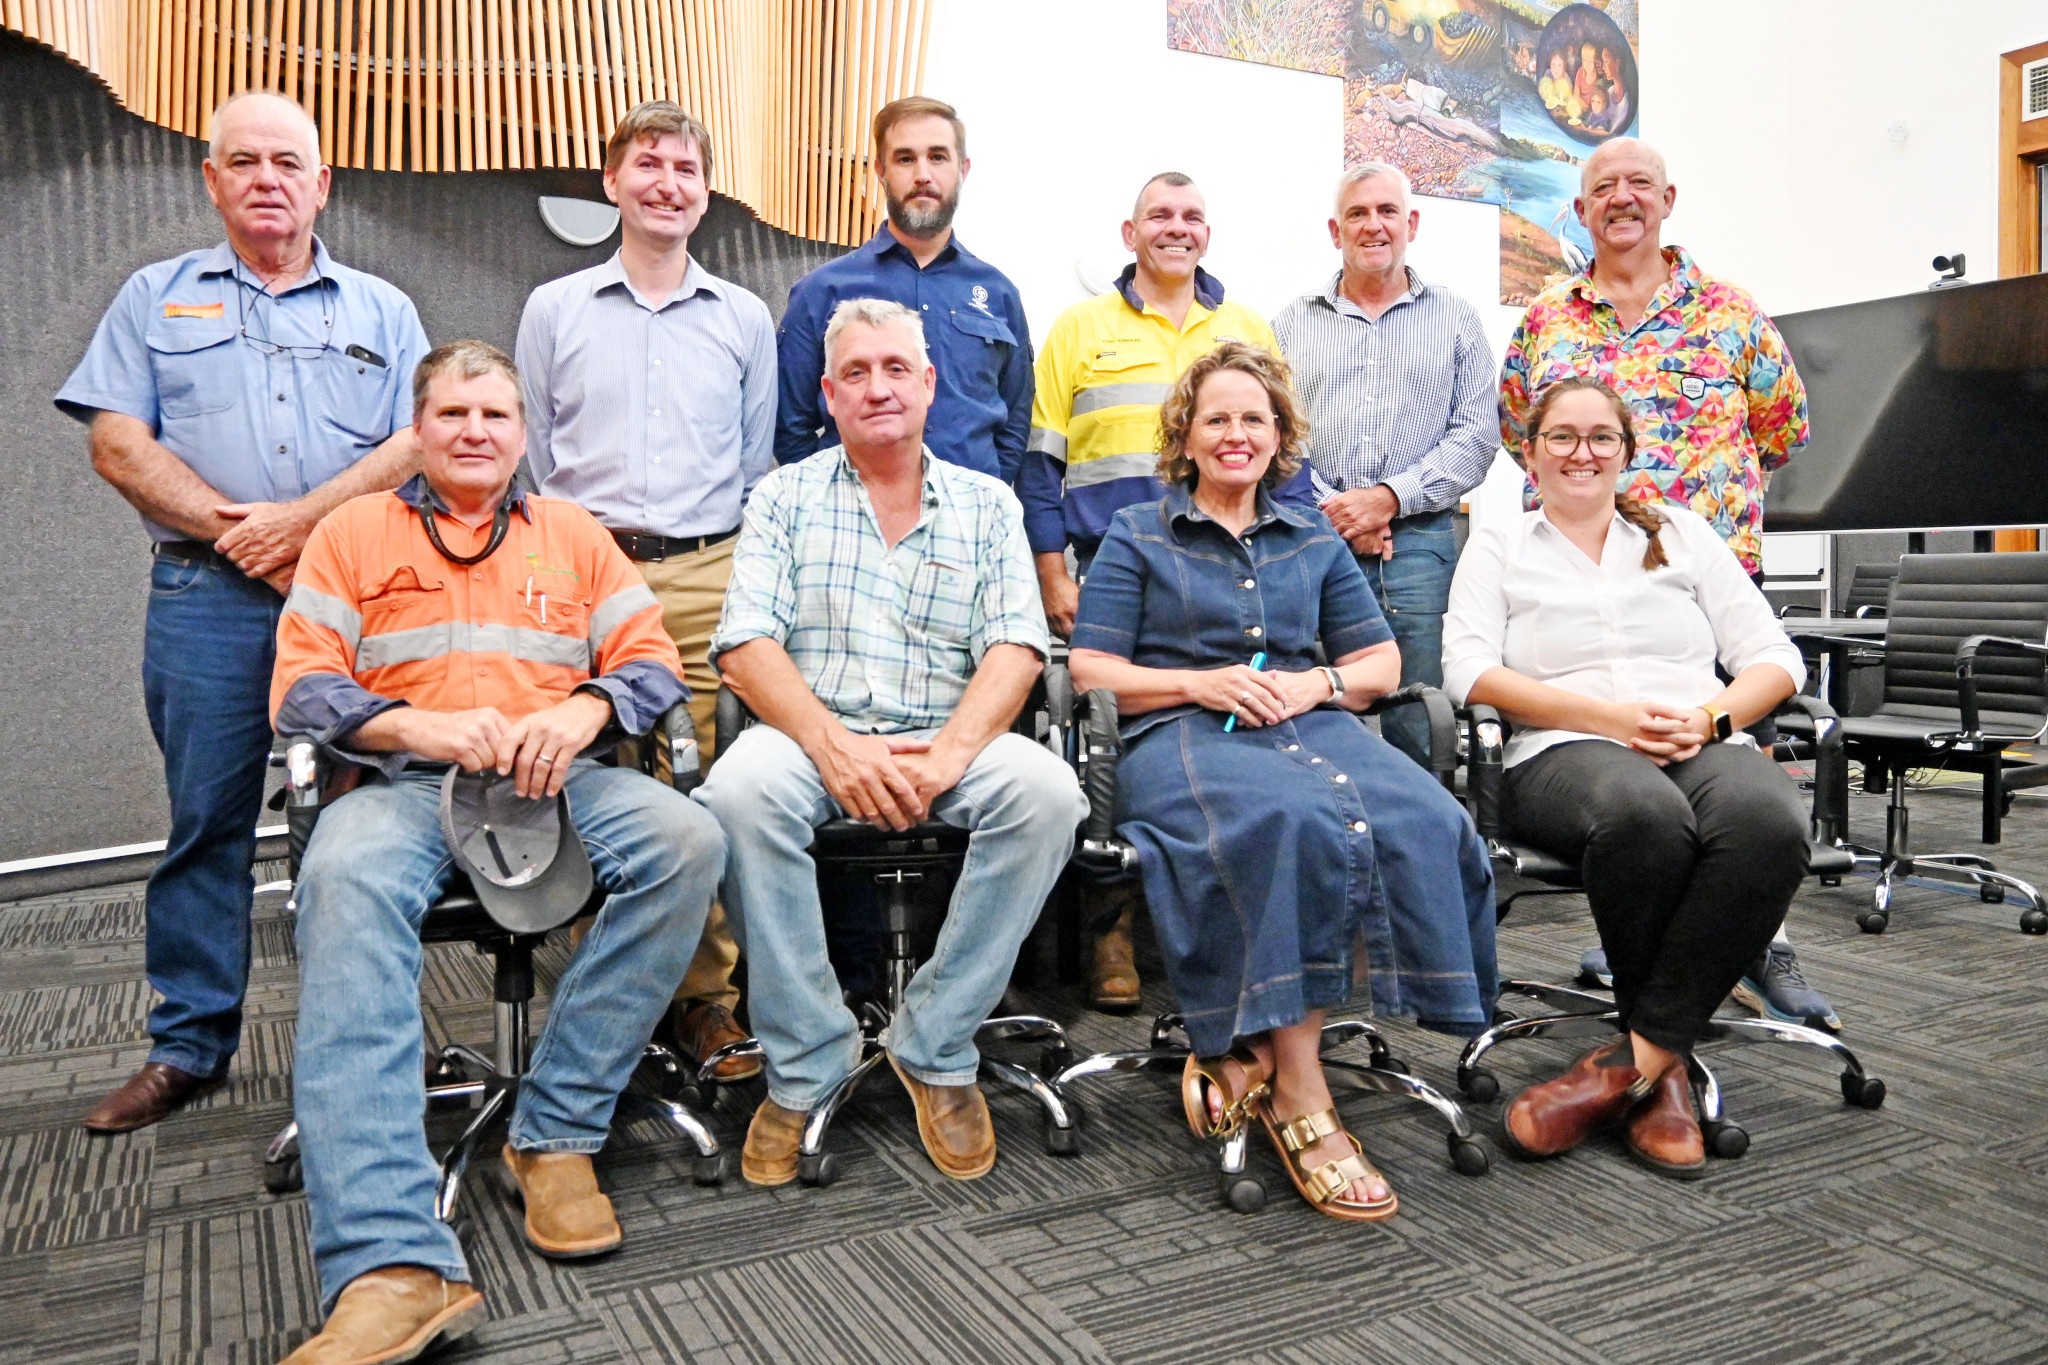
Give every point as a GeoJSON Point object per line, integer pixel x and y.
{"type": "Point", "coordinates": [819, 1170]}
{"type": "Point", "coordinates": [1389, 1062]}
{"type": "Point", "coordinates": [1244, 1193]}
{"type": "Point", "coordinates": [1873, 922]}
{"type": "Point", "coordinates": [1470, 1156]}
{"type": "Point", "coordinates": [1479, 1086]}
{"type": "Point", "coordinates": [2034, 921]}
{"type": "Point", "coordinates": [1727, 1140]}
{"type": "Point", "coordinates": [708, 1170]}
{"type": "Point", "coordinates": [1054, 1059]}
{"type": "Point", "coordinates": [284, 1177]}
{"type": "Point", "coordinates": [1865, 1092]}
{"type": "Point", "coordinates": [1991, 894]}
{"type": "Point", "coordinates": [1062, 1141]}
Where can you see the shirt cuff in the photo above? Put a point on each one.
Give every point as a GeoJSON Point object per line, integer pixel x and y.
{"type": "Point", "coordinates": [328, 707]}
{"type": "Point", "coordinates": [640, 692]}
{"type": "Point", "coordinates": [1046, 530]}
{"type": "Point", "coordinates": [1408, 491]}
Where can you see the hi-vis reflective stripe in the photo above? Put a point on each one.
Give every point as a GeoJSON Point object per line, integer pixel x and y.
{"type": "Point", "coordinates": [1109, 467]}
{"type": "Point", "coordinates": [322, 610]}
{"type": "Point", "coordinates": [1048, 441]}
{"type": "Point", "coordinates": [621, 607]}
{"type": "Point", "coordinates": [1118, 396]}
{"type": "Point", "coordinates": [471, 637]}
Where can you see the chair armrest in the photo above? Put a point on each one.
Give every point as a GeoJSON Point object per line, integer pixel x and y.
{"type": "Point", "coordinates": [1830, 821]}
{"type": "Point", "coordinates": [1966, 668]}
{"type": "Point", "coordinates": [731, 717]}
{"type": "Point", "coordinates": [1059, 710]}
{"type": "Point", "coordinates": [1800, 607]}
{"type": "Point", "coordinates": [676, 733]}
{"type": "Point", "coordinates": [1443, 724]}
{"type": "Point", "coordinates": [308, 771]}
{"type": "Point", "coordinates": [1097, 749]}
{"type": "Point", "coordinates": [1485, 766]}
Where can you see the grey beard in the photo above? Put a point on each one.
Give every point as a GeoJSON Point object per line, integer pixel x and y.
{"type": "Point", "coordinates": [922, 222]}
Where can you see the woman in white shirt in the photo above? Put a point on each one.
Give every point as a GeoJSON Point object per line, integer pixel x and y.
{"type": "Point", "coordinates": [1593, 625]}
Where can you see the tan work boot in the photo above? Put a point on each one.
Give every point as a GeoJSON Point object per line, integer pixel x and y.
{"type": "Point", "coordinates": [567, 1216]}
{"type": "Point", "coordinates": [770, 1155]}
{"type": "Point", "coordinates": [1113, 980]}
{"type": "Point", "coordinates": [953, 1121]}
{"type": "Point", "coordinates": [392, 1313]}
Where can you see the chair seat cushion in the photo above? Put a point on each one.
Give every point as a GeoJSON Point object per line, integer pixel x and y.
{"type": "Point", "coordinates": [1822, 860]}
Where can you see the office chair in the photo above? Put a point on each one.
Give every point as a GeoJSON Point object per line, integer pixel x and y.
{"type": "Point", "coordinates": [1589, 1015]}
{"type": "Point", "coordinates": [1869, 594]}
{"type": "Point", "coordinates": [1955, 620]}
{"type": "Point", "coordinates": [924, 857]}
{"type": "Point", "coordinates": [1104, 857]}
{"type": "Point", "coordinates": [460, 1074]}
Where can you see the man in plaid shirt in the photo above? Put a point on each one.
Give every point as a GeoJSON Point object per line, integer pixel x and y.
{"type": "Point", "coordinates": [884, 624]}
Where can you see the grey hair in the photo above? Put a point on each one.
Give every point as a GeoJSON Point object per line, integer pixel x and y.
{"type": "Point", "coordinates": [1174, 179]}
{"type": "Point", "coordinates": [464, 360]}
{"type": "Point", "coordinates": [312, 128]}
{"type": "Point", "coordinates": [874, 313]}
{"type": "Point", "coordinates": [1370, 170]}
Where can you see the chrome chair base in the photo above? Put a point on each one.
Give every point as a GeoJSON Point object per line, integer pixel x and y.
{"type": "Point", "coordinates": [1382, 1072]}
{"type": "Point", "coordinates": [1589, 1016]}
{"type": "Point", "coordinates": [1973, 872]}
{"type": "Point", "coordinates": [479, 1083]}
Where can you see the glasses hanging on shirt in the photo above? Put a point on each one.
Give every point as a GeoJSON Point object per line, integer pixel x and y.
{"type": "Point", "coordinates": [245, 313]}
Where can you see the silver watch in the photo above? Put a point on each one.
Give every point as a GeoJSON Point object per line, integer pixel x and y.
{"type": "Point", "coordinates": [1336, 680]}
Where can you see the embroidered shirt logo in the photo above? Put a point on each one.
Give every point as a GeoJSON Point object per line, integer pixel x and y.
{"type": "Point", "coordinates": [1693, 387]}
{"type": "Point", "coordinates": [978, 298]}
{"type": "Point", "coordinates": [194, 310]}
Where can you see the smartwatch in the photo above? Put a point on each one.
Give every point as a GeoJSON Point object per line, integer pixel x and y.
{"type": "Point", "coordinates": [1336, 680]}
{"type": "Point", "coordinates": [1723, 724]}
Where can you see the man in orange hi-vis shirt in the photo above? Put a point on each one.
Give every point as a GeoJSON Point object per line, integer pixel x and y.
{"type": "Point", "coordinates": [462, 621]}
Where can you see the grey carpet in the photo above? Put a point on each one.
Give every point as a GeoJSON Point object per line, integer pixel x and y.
{"type": "Point", "coordinates": [1911, 1234]}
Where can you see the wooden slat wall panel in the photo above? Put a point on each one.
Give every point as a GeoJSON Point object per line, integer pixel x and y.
{"type": "Point", "coordinates": [788, 88]}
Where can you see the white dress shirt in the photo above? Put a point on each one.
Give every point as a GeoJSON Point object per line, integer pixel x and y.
{"type": "Point", "coordinates": [1528, 599]}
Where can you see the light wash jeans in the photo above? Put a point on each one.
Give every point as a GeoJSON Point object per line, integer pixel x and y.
{"type": "Point", "coordinates": [377, 859]}
{"type": "Point", "coordinates": [1023, 806]}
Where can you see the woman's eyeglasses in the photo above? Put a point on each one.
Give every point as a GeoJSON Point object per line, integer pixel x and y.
{"type": "Point", "coordinates": [1561, 443]}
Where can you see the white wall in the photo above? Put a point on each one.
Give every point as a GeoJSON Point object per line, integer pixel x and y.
{"type": "Point", "coordinates": [1773, 115]}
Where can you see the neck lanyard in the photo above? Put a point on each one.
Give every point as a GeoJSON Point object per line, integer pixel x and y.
{"type": "Point", "coordinates": [501, 522]}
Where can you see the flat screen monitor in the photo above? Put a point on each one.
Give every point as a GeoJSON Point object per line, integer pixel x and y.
{"type": "Point", "coordinates": [1929, 411]}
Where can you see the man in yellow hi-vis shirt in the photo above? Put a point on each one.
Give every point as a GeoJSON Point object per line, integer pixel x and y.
{"type": "Point", "coordinates": [1104, 370]}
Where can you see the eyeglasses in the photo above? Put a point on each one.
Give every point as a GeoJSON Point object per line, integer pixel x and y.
{"type": "Point", "coordinates": [244, 314]}
{"type": "Point", "coordinates": [1560, 443]}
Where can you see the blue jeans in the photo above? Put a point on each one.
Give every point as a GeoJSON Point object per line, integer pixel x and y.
{"type": "Point", "coordinates": [1414, 589]}
{"type": "Point", "coordinates": [1023, 806]}
{"type": "Point", "coordinates": [207, 650]}
{"type": "Point", "coordinates": [376, 861]}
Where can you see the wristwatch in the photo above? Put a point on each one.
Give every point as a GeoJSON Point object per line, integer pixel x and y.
{"type": "Point", "coordinates": [1723, 723]}
{"type": "Point", "coordinates": [1336, 680]}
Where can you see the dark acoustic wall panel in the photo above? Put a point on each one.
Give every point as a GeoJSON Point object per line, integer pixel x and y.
{"type": "Point", "coordinates": [89, 193]}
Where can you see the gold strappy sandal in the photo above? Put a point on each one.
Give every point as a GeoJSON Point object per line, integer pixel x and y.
{"type": "Point", "coordinates": [1323, 1185]}
{"type": "Point", "coordinates": [1239, 1080]}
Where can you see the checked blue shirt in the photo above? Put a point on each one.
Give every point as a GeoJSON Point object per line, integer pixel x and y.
{"type": "Point", "coordinates": [887, 637]}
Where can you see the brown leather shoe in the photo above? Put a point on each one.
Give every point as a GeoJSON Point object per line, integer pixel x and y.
{"type": "Point", "coordinates": [1663, 1132]}
{"type": "Point", "coordinates": [1113, 980]}
{"type": "Point", "coordinates": [953, 1121]}
{"type": "Point", "coordinates": [1552, 1118]}
{"type": "Point", "coordinates": [392, 1313]}
{"type": "Point", "coordinates": [567, 1216]}
{"type": "Point", "coordinates": [769, 1158]}
{"type": "Point", "coordinates": [701, 1028]}
{"type": "Point", "coordinates": [150, 1094]}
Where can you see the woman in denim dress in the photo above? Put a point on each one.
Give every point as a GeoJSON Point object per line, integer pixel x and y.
{"type": "Point", "coordinates": [1272, 829]}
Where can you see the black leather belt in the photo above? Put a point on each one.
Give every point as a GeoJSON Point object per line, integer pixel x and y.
{"type": "Point", "coordinates": [652, 549]}
{"type": "Point", "coordinates": [196, 552]}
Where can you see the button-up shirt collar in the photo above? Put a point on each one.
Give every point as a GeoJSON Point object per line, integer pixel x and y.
{"type": "Point", "coordinates": [417, 490]}
{"type": "Point", "coordinates": [225, 260]}
{"type": "Point", "coordinates": [1181, 507]}
{"type": "Point", "coordinates": [1685, 279]}
{"type": "Point", "coordinates": [1334, 295]}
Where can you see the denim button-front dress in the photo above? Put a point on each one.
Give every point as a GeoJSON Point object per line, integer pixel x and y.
{"type": "Point", "coordinates": [1266, 852]}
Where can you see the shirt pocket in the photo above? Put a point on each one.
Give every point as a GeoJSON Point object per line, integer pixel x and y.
{"type": "Point", "coordinates": [194, 363]}
{"type": "Point", "coordinates": [1696, 383]}
{"type": "Point", "coordinates": [562, 617]}
{"type": "Point", "coordinates": [941, 606]}
{"type": "Point", "coordinates": [988, 347]}
{"type": "Point", "coordinates": [353, 398]}
{"type": "Point", "coordinates": [406, 621]}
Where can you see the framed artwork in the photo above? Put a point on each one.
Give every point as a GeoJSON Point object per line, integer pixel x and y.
{"type": "Point", "coordinates": [1302, 35]}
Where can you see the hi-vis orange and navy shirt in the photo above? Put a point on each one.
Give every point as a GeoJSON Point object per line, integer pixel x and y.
{"type": "Point", "coordinates": [377, 618]}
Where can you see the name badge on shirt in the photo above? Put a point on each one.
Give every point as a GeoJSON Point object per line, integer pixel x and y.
{"type": "Point", "coordinates": [195, 310]}
{"type": "Point", "coordinates": [1693, 387]}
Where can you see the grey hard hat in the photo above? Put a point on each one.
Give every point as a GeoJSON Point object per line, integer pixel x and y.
{"type": "Point", "coordinates": [522, 855]}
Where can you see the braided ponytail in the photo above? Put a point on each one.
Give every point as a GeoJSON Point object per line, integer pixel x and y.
{"type": "Point", "coordinates": [1649, 521]}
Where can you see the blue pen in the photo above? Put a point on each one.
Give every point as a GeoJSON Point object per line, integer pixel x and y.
{"type": "Point", "coordinates": [1258, 662]}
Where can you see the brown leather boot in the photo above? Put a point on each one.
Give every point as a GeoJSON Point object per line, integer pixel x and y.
{"type": "Point", "coordinates": [150, 1094]}
{"type": "Point", "coordinates": [953, 1121]}
{"type": "Point", "coordinates": [1113, 979]}
{"type": "Point", "coordinates": [392, 1313]}
{"type": "Point", "coordinates": [701, 1028]}
{"type": "Point", "coordinates": [1663, 1132]}
{"type": "Point", "coordinates": [1552, 1118]}
{"type": "Point", "coordinates": [567, 1216]}
{"type": "Point", "coordinates": [770, 1156]}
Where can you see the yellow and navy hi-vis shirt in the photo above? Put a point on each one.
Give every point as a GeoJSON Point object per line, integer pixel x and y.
{"type": "Point", "coordinates": [1105, 369]}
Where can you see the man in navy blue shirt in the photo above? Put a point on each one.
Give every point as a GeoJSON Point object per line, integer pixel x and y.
{"type": "Point", "coordinates": [973, 319]}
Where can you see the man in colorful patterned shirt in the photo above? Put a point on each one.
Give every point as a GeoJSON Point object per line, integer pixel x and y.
{"type": "Point", "coordinates": [1717, 406]}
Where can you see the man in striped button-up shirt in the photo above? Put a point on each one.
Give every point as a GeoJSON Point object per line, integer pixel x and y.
{"type": "Point", "coordinates": [1396, 381]}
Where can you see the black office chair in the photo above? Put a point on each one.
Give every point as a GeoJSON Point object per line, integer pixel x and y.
{"type": "Point", "coordinates": [925, 856]}
{"type": "Point", "coordinates": [1104, 857]}
{"type": "Point", "coordinates": [1943, 609]}
{"type": "Point", "coordinates": [1523, 870]}
{"type": "Point", "coordinates": [460, 1074]}
{"type": "Point", "coordinates": [1869, 594]}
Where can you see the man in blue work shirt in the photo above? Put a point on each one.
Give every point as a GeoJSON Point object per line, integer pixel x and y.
{"type": "Point", "coordinates": [973, 319]}
{"type": "Point", "coordinates": [650, 401]}
{"type": "Point", "coordinates": [235, 396]}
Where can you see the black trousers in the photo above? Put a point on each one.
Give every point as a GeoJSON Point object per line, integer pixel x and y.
{"type": "Point", "coordinates": [1689, 868]}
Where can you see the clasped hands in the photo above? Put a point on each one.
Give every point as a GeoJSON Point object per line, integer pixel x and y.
{"type": "Point", "coordinates": [1258, 697]}
{"type": "Point", "coordinates": [1364, 516]}
{"type": "Point", "coordinates": [1663, 734]}
{"type": "Point", "coordinates": [266, 539]}
{"type": "Point", "coordinates": [535, 751]}
{"type": "Point", "coordinates": [889, 781]}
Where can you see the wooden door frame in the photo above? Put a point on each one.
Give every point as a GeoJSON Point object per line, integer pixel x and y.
{"type": "Point", "coordinates": [2022, 146]}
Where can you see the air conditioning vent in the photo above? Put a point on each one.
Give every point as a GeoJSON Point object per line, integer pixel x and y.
{"type": "Point", "coordinates": [2034, 89]}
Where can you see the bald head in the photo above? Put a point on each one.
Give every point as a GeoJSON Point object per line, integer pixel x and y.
{"type": "Point", "coordinates": [267, 115]}
{"type": "Point", "coordinates": [1623, 152]}
{"type": "Point", "coordinates": [1624, 198]}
